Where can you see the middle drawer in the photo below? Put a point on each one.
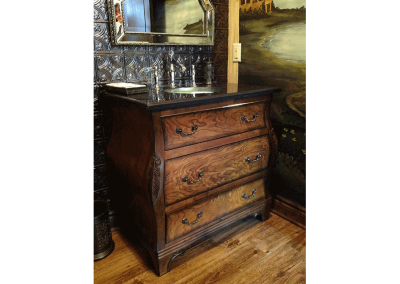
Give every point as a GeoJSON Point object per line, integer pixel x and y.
{"type": "Point", "coordinates": [195, 173]}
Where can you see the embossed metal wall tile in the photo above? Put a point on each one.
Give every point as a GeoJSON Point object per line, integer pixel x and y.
{"type": "Point", "coordinates": [199, 59]}
{"type": "Point", "coordinates": [135, 64]}
{"type": "Point", "coordinates": [158, 57]}
{"type": "Point", "coordinates": [110, 67]}
{"type": "Point", "coordinates": [100, 19]}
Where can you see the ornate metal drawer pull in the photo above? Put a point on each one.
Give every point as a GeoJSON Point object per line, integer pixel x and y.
{"type": "Point", "coordinates": [186, 221]}
{"type": "Point", "coordinates": [244, 118]}
{"type": "Point", "coordinates": [179, 131]}
{"type": "Point", "coordinates": [250, 197]}
{"type": "Point", "coordinates": [186, 179]}
{"type": "Point", "coordinates": [250, 161]}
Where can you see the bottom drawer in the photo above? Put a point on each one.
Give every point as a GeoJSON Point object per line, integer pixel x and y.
{"type": "Point", "coordinates": [198, 215]}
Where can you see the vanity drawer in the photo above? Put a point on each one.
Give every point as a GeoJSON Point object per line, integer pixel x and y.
{"type": "Point", "coordinates": [191, 128]}
{"type": "Point", "coordinates": [192, 174]}
{"type": "Point", "coordinates": [198, 215]}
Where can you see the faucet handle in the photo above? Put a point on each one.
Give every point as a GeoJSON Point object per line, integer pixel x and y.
{"type": "Point", "coordinates": [155, 69]}
{"type": "Point", "coordinates": [171, 54]}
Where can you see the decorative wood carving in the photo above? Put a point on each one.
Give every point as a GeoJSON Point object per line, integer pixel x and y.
{"type": "Point", "coordinates": [178, 253]}
{"type": "Point", "coordinates": [156, 179]}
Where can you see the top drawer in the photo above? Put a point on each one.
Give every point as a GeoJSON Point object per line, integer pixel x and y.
{"type": "Point", "coordinates": [186, 129]}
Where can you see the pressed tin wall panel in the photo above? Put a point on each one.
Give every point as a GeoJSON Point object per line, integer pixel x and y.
{"type": "Point", "coordinates": [129, 64]}
{"type": "Point", "coordinates": [110, 67]}
{"type": "Point", "coordinates": [135, 64]}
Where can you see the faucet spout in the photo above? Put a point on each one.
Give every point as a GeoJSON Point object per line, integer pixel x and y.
{"type": "Point", "coordinates": [171, 55]}
{"type": "Point", "coordinates": [193, 75]}
{"type": "Point", "coordinates": [156, 77]}
{"type": "Point", "coordinates": [172, 73]}
{"type": "Point", "coordinates": [155, 73]}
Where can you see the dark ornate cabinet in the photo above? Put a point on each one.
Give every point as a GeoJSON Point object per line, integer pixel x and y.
{"type": "Point", "coordinates": [101, 191]}
{"type": "Point", "coordinates": [181, 168]}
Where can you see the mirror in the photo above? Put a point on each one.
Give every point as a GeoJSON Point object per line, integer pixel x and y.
{"type": "Point", "coordinates": [158, 22]}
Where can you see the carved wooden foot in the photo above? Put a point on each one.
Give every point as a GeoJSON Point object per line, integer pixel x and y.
{"type": "Point", "coordinates": [263, 216]}
{"type": "Point", "coordinates": [163, 265]}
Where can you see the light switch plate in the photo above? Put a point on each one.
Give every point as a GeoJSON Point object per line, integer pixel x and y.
{"type": "Point", "coordinates": [237, 52]}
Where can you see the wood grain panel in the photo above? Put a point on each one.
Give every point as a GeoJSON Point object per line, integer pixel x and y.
{"type": "Point", "coordinates": [220, 166]}
{"type": "Point", "coordinates": [213, 209]}
{"type": "Point", "coordinates": [212, 124]}
{"type": "Point", "coordinates": [210, 193]}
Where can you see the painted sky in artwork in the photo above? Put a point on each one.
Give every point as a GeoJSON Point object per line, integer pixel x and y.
{"type": "Point", "coordinates": [179, 13]}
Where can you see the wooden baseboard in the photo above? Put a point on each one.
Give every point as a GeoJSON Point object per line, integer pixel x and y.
{"type": "Point", "coordinates": [290, 211]}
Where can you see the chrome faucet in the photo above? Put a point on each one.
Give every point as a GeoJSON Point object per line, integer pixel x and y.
{"type": "Point", "coordinates": [193, 75]}
{"type": "Point", "coordinates": [172, 73]}
{"type": "Point", "coordinates": [156, 77]}
{"type": "Point", "coordinates": [172, 67]}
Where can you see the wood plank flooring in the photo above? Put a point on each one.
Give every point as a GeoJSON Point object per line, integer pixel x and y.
{"type": "Point", "coordinates": [270, 252]}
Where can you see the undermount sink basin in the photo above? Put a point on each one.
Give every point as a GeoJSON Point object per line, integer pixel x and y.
{"type": "Point", "coordinates": [193, 90]}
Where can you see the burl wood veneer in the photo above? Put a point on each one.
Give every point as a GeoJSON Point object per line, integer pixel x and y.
{"type": "Point", "coordinates": [180, 169]}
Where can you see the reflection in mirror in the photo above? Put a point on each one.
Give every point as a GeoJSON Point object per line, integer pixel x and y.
{"type": "Point", "coordinates": [162, 22]}
{"type": "Point", "coordinates": [118, 20]}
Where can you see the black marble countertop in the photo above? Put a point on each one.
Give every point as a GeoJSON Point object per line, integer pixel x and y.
{"type": "Point", "coordinates": [156, 100]}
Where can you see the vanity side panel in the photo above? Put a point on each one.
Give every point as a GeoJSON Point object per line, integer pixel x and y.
{"type": "Point", "coordinates": [158, 181]}
{"type": "Point", "coordinates": [130, 162]}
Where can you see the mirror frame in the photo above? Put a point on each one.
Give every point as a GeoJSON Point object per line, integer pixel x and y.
{"type": "Point", "coordinates": [208, 28]}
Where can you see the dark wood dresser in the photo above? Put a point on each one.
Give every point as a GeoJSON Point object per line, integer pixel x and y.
{"type": "Point", "coordinates": [182, 166]}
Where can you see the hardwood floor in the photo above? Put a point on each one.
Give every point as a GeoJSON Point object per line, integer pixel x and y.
{"type": "Point", "coordinates": [267, 252]}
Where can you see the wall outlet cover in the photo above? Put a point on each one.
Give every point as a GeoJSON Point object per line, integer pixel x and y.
{"type": "Point", "coordinates": [237, 52]}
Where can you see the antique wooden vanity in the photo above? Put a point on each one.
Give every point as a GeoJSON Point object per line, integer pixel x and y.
{"type": "Point", "coordinates": [182, 166]}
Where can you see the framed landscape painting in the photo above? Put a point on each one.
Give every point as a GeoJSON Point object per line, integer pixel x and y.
{"type": "Point", "coordinates": [273, 38]}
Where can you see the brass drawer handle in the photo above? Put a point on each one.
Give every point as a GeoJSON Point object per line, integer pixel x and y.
{"type": "Point", "coordinates": [186, 179]}
{"type": "Point", "coordinates": [253, 161]}
{"type": "Point", "coordinates": [186, 221]}
{"type": "Point", "coordinates": [250, 197]}
{"type": "Point", "coordinates": [244, 118]}
{"type": "Point", "coordinates": [179, 131]}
